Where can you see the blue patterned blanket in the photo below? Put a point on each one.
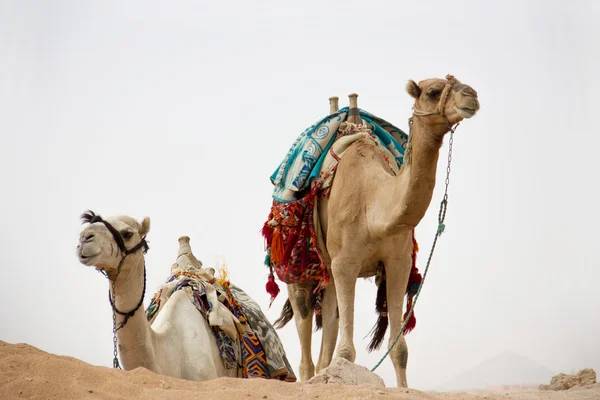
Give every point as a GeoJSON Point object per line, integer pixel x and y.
{"type": "Point", "coordinates": [304, 160]}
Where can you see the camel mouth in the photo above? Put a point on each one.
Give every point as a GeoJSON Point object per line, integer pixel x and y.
{"type": "Point", "coordinates": [465, 112]}
{"type": "Point", "coordinates": [88, 260]}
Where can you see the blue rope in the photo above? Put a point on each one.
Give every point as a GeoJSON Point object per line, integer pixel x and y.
{"type": "Point", "coordinates": [438, 233]}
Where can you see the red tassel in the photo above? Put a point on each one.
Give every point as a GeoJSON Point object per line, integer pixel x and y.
{"type": "Point", "coordinates": [267, 232]}
{"type": "Point", "coordinates": [412, 321]}
{"type": "Point", "coordinates": [414, 278]}
{"type": "Point", "coordinates": [272, 288]}
{"type": "Point", "coordinates": [410, 325]}
{"type": "Point", "coordinates": [277, 247]}
{"type": "Point", "coordinates": [415, 246]}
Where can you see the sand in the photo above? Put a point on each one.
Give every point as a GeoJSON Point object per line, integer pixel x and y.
{"type": "Point", "coordinates": [29, 373]}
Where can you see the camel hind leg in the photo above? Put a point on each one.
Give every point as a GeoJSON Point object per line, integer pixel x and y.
{"type": "Point", "coordinates": [330, 327]}
{"type": "Point", "coordinates": [299, 295]}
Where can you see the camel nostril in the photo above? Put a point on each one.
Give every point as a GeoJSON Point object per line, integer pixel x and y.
{"type": "Point", "coordinates": [89, 237]}
{"type": "Point", "coordinates": [471, 92]}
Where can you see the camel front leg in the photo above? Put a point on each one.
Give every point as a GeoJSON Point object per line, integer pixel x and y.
{"type": "Point", "coordinates": [397, 272]}
{"type": "Point", "coordinates": [299, 295]}
{"type": "Point", "coordinates": [345, 273]}
{"type": "Point", "coordinates": [330, 327]}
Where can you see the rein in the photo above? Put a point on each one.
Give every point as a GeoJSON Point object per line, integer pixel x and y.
{"type": "Point", "coordinates": [91, 218]}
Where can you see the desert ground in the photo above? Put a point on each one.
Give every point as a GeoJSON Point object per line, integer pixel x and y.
{"type": "Point", "coordinates": [29, 373]}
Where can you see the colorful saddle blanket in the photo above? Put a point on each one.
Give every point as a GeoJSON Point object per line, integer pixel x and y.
{"type": "Point", "coordinates": [304, 161]}
{"type": "Point", "coordinates": [252, 350]}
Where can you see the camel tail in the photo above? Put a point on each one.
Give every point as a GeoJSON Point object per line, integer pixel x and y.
{"type": "Point", "coordinates": [378, 331]}
{"type": "Point", "coordinates": [287, 313]}
{"type": "Point", "coordinates": [316, 307]}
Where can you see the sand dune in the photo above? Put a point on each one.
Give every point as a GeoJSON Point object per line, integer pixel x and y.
{"type": "Point", "coordinates": [29, 373]}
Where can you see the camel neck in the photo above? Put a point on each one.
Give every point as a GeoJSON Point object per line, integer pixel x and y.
{"type": "Point", "coordinates": [134, 337]}
{"type": "Point", "coordinates": [417, 176]}
{"type": "Point", "coordinates": [129, 286]}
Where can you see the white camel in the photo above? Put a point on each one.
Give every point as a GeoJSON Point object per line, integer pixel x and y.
{"type": "Point", "coordinates": [179, 342]}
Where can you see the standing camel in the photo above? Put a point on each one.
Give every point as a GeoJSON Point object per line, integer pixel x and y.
{"type": "Point", "coordinates": [368, 220]}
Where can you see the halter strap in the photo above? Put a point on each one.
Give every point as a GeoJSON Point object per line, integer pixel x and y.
{"type": "Point", "coordinates": [91, 218]}
{"type": "Point", "coordinates": [128, 314]}
{"type": "Point", "coordinates": [441, 106]}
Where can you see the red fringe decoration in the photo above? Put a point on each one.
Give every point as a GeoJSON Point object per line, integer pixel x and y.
{"type": "Point", "coordinates": [305, 254]}
{"type": "Point", "coordinates": [289, 246]}
{"type": "Point", "coordinates": [272, 287]}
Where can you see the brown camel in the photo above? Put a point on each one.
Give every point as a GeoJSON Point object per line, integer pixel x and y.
{"type": "Point", "coordinates": [369, 217]}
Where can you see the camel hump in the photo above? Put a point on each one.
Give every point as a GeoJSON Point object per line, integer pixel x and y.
{"type": "Point", "coordinates": [185, 256]}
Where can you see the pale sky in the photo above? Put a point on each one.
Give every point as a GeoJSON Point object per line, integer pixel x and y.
{"type": "Point", "coordinates": [181, 112]}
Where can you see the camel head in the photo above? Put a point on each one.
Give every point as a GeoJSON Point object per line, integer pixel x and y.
{"type": "Point", "coordinates": [104, 243]}
{"type": "Point", "coordinates": [443, 102]}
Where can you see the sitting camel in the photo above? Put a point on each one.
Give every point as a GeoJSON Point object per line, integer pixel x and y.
{"type": "Point", "coordinates": [368, 220]}
{"type": "Point", "coordinates": [178, 341]}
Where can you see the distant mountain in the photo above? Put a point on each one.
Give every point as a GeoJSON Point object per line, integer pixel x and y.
{"type": "Point", "coordinates": [505, 369]}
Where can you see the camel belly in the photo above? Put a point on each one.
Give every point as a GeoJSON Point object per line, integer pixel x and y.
{"type": "Point", "coordinates": [368, 269]}
{"type": "Point", "coordinates": [400, 246]}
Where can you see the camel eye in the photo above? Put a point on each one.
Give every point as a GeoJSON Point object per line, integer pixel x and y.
{"type": "Point", "coordinates": [127, 235]}
{"type": "Point", "coordinates": [433, 93]}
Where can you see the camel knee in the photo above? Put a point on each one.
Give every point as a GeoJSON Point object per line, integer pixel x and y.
{"type": "Point", "coordinates": [300, 298]}
{"type": "Point", "coordinates": [400, 354]}
{"type": "Point", "coordinates": [403, 357]}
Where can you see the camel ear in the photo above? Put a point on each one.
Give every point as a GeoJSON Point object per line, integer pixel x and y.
{"type": "Point", "coordinates": [145, 227]}
{"type": "Point", "coordinates": [413, 89]}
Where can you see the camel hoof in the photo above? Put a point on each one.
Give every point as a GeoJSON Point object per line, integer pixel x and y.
{"type": "Point", "coordinates": [307, 371]}
{"type": "Point", "coordinates": [347, 354]}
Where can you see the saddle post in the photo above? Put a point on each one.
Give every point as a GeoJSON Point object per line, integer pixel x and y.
{"type": "Point", "coordinates": [353, 114]}
{"type": "Point", "coordinates": [334, 104]}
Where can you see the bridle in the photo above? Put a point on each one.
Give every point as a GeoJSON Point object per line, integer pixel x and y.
{"type": "Point", "coordinates": [441, 106]}
{"type": "Point", "coordinates": [91, 218]}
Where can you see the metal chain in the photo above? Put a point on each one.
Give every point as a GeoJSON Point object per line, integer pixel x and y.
{"type": "Point", "coordinates": [115, 351]}
{"type": "Point", "coordinates": [440, 230]}
{"type": "Point", "coordinates": [91, 218]}
{"type": "Point", "coordinates": [444, 205]}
